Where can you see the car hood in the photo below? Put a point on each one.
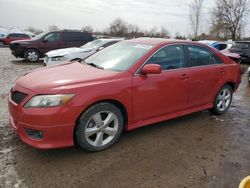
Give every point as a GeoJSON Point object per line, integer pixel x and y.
{"type": "Point", "coordinates": [55, 78]}
{"type": "Point", "coordinates": [66, 51]}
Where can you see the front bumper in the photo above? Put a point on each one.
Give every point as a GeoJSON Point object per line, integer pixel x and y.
{"type": "Point", "coordinates": [48, 61]}
{"type": "Point", "coordinates": [56, 124]}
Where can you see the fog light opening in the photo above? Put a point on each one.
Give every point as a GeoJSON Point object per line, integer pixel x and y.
{"type": "Point", "coordinates": [35, 134]}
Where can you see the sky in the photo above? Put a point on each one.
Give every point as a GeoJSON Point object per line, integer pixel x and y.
{"type": "Point", "coordinates": [74, 14]}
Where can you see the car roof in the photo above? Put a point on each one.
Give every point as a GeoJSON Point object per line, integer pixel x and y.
{"type": "Point", "coordinates": [159, 41]}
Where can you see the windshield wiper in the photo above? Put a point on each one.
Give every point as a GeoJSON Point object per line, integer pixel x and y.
{"type": "Point", "coordinates": [95, 65]}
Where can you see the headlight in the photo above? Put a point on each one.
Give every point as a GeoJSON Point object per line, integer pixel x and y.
{"type": "Point", "coordinates": [59, 58]}
{"type": "Point", "coordinates": [43, 101]}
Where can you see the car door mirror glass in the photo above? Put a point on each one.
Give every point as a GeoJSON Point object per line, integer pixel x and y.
{"type": "Point", "coordinates": [151, 69]}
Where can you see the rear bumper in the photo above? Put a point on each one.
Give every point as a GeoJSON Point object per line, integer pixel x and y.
{"type": "Point", "coordinates": [57, 126]}
{"type": "Point", "coordinates": [18, 53]}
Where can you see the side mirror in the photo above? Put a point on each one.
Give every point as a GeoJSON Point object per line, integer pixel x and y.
{"type": "Point", "coordinates": [45, 40]}
{"type": "Point", "coordinates": [151, 69]}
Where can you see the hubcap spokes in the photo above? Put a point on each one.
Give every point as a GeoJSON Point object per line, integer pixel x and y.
{"type": "Point", "coordinates": [32, 56]}
{"type": "Point", "coordinates": [224, 99]}
{"type": "Point", "coordinates": [101, 128]}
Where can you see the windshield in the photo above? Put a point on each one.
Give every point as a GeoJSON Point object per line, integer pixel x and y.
{"type": "Point", "coordinates": [93, 44]}
{"type": "Point", "coordinates": [37, 37]}
{"type": "Point", "coordinates": [119, 57]}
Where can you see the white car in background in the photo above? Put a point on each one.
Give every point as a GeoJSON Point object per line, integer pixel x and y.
{"type": "Point", "coordinates": [71, 54]}
{"type": "Point", "coordinates": [217, 44]}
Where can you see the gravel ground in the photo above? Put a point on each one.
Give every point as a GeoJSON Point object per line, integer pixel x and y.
{"type": "Point", "coordinates": [199, 150]}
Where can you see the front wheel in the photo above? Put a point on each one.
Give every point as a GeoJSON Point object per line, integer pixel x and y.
{"type": "Point", "coordinates": [31, 55]}
{"type": "Point", "coordinates": [223, 100]}
{"type": "Point", "coordinates": [99, 127]}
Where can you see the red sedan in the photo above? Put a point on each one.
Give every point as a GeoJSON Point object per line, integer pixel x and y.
{"type": "Point", "coordinates": [128, 85]}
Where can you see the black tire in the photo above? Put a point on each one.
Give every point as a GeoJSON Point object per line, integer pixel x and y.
{"type": "Point", "coordinates": [32, 55]}
{"type": "Point", "coordinates": [1, 44]}
{"type": "Point", "coordinates": [217, 110]}
{"type": "Point", "coordinates": [87, 122]}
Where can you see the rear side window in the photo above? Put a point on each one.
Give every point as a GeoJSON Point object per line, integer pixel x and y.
{"type": "Point", "coordinates": [169, 57]}
{"type": "Point", "coordinates": [220, 46]}
{"type": "Point", "coordinates": [22, 35]}
{"type": "Point", "coordinates": [12, 35]}
{"type": "Point", "coordinates": [72, 37]}
{"type": "Point", "coordinates": [200, 56]}
{"type": "Point", "coordinates": [86, 37]}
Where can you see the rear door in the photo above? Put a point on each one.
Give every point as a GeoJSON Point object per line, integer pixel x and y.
{"type": "Point", "coordinates": [205, 75]}
{"type": "Point", "coordinates": [75, 39]}
{"type": "Point", "coordinates": [165, 93]}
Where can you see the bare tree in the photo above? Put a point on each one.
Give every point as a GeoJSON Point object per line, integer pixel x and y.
{"type": "Point", "coordinates": [53, 28]}
{"type": "Point", "coordinates": [34, 30]}
{"type": "Point", "coordinates": [164, 33]}
{"type": "Point", "coordinates": [118, 28]}
{"type": "Point", "coordinates": [133, 31]}
{"type": "Point", "coordinates": [196, 9]}
{"type": "Point", "coordinates": [229, 18]}
{"type": "Point", "coordinates": [88, 28]}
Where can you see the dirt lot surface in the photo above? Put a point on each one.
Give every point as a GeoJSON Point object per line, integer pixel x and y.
{"type": "Point", "coordinates": [199, 150]}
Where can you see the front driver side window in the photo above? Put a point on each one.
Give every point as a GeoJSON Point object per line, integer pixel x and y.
{"type": "Point", "coordinates": [52, 37]}
{"type": "Point", "coordinates": [169, 57]}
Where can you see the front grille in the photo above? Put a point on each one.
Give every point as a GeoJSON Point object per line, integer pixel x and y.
{"type": "Point", "coordinates": [17, 96]}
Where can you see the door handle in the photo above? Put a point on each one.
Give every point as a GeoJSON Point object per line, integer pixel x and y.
{"type": "Point", "coordinates": [184, 77]}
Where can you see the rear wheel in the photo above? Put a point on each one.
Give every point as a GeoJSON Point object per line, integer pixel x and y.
{"type": "Point", "coordinates": [99, 127]}
{"type": "Point", "coordinates": [31, 55]}
{"type": "Point", "coordinates": [223, 100]}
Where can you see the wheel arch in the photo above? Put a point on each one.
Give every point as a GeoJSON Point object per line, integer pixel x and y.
{"type": "Point", "coordinates": [231, 84]}
{"type": "Point", "coordinates": [30, 48]}
{"type": "Point", "coordinates": [117, 103]}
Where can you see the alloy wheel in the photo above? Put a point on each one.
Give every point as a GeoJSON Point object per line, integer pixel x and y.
{"type": "Point", "coordinates": [224, 99]}
{"type": "Point", "coordinates": [101, 128]}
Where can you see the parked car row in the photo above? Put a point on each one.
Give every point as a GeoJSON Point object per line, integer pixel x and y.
{"type": "Point", "coordinates": [239, 47]}
{"type": "Point", "coordinates": [130, 84]}
{"type": "Point", "coordinates": [34, 49]}
{"type": "Point", "coordinates": [7, 39]}
{"type": "Point", "coordinates": [69, 54]}
{"type": "Point", "coordinates": [243, 49]}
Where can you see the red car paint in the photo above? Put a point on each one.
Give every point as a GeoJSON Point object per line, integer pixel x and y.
{"type": "Point", "coordinates": [14, 37]}
{"type": "Point", "coordinates": [146, 99]}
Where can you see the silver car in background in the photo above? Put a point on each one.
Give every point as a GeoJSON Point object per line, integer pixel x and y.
{"type": "Point", "coordinates": [70, 54]}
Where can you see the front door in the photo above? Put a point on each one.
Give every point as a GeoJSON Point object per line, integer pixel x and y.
{"type": "Point", "coordinates": [165, 93]}
{"type": "Point", "coordinates": [50, 42]}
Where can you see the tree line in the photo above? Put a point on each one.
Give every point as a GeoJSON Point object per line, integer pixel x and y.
{"type": "Point", "coordinates": [228, 19]}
